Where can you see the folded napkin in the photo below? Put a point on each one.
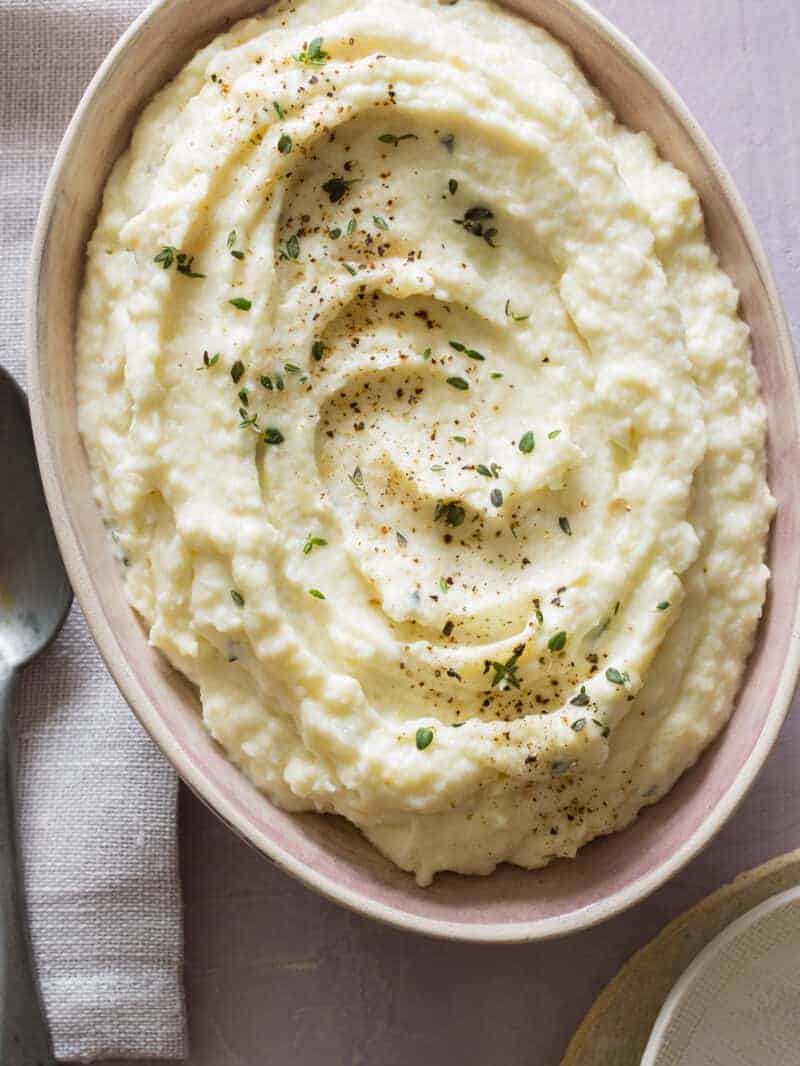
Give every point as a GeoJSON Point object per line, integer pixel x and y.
{"type": "Point", "coordinates": [97, 800]}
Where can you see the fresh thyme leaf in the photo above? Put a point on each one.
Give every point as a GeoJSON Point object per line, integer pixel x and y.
{"type": "Point", "coordinates": [473, 222]}
{"type": "Point", "coordinates": [426, 354]}
{"type": "Point", "coordinates": [496, 375]}
{"type": "Point", "coordinates": [459, 347]}
{"type": "Point", "coordinates": [459, 440]}
{"type": "Point", "coordinates": [166, 256]}
{"type": "Point", "coordinates": [284, 144]}
{"type": "Point", "coordinates": [291, 368]}
{"type": "Point", "coordinates": [237, 254]}
{"type": "Point", "coordinates": [316, 594]}
{"type": "Point", "coordinates": [458, 383]}
{"type": "Point", "coordinates": [293, 247]}
{"type": "Point", "coordinates": [616, 678]}
{"type": "Point", "coordinates": [351, 226]}
{"type": "Point", "coordinates": [244, 398]}
{"type": "Point", "coordinates": [237, 370]}
{"type": "Point", "coordinates": [313, 542]}
{"type": "Point", "coordinates": [604, 729]}
{"type": "Point", "coordinates": [185, 266]}
{"type": "Point", "coordinates": [539, 616]}
{"type": "Point", "coordinates": [266, 382]}
{"type": "Point", "coordinates": [317, 350]}
{"type": "Point", "coordinates": [582, 699]}
{"type": "Point", "coordinates": [232, 238]}
{"type": "Point", "coordinates": [578, 724]}
{"type": "Point", "coordinates": [496, 496]}
{"type": "Point", "coordinates": [349, 268]}
{"type": "Point", "coordinates": [273, 436]}
{"type": "Point", "coordinates": [527, 442]}
{"type": "Point", "coordinates": [390, 138]}
{"type": "Point", "coordinates": [557, 641]}
{"type": "Point", "coordinates": [278, 109]}
{"type": "Point", "coordinates": [452, 185]}
{"type": "Point", "coordinates": [564, 525]}
{"type": "Point", "coordinates": [452, 512]}
{"type": "Point", "coordinates": [241, 302]}
{"type": "Point", "coordinates": [237, 597]}
{"type": "Point", "coordinates": [507, 672]}
{"type": "Point", "coordinates": [209, 361]}
{"type": "Point", "coordinates": [279, 383]}
{"type": "Point", "coordinates": [381, 223]}
{"type": "Point", "coordinates": [484, 470]}
{"type": "Point", "coordinates": [401, 540]}
{"type": "Point", "coordinates": [663, 605]}
{"type": "Point", "coordinates": [313, 55]}
{"type": "Point", "coordinates": [334, 233]}
{"type": "Point", "coordinates": [357, 479]}
{"type": "Point", "coordinates": [337, 188]}
{"type": "Point", "coordinates": [553, 434]}
{"type": "Point", "coordinates": [423, 738]}
{"type": "Point", "coordinates": [510, 313]}
{"type": "Point", "coordinates": [443, 584]}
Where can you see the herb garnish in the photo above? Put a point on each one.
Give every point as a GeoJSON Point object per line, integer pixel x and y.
{"type": "Point", "coordinates": [452, 512]}
{"type": "Point", "coordinates": [496, 497]}
{"type": "Point", "coordinates": [183, 262]}
{"type": "Point", "coordinates": [241, 302]}
{"type": "Point", "coordinates": [278, 109]}
{"type": "Point", "coordinates": [317, 350]}
{"type": "Point", "coordinates": [564, 525]}
{"type": "Point", "coordinates": [604, 729]}
{"type": "Point", "coordinates": [351, 226]}
{"type": "Point", "coordinates": [424, 738]}
{"type": "Point", "coordinates": [273, 436]}
{"type": "Point", "coordinates": [582, 699]}
{"type": "Point", "coordinates": [292, 249]}
{"type": "Point", "coordinates": [381, 223]}
{"type": "Point", "coordinates": [511, 314]}
{"type": "Point", "coordinates": [231, 242]}
{"type": "Point", "coordinates": [337, 188]}
{"type": "Point", "coordinates": [284, 144]}
{"type": "Point", "coordinates": [663, 605]}
{"type": "Point", "coordinates": [471, 353]}
{"type": "Point", "coordinates": [507, 671]}
{"type": "Point", "coordinates": [473, 222]}
{"type": "Point", "coordinates": [349, 268]}
{"type": "Point", "coordinates": [557, 641]}
{"type": "Point", "coordinates": [316, 594]}
{"type": "Point", "coordinates": [553, 434]}
{"type": "Point", "coordinates": [578, 724]}
{"type": "Point", "coordinates": [313, 55]}
{"type": "Point", "coordinates": [236, 371]}
{"type": "Point", "coordinates": [527, 442]}
{"type": "Point", "coordinates": [493, 471]}
{"type": "Point", "coordinates": [357, 479]}
{"type": "Point", "coordinates": [390, 138]}
{"type": "Point", "coordinates": [443, 584]}
{"type": "Point", "coordinates": [458, 383]}
{"type": "Point", "coordinates": [209, 361]}
{"type": "Point", "coordinates": [452, 185]}
{"type": "Point", "coordinates": [237, 598]}
{"type": "Point", "coordinates": [616, 678]}
{"type": "Point", "coordinates": [312, 543]}
{"type": "Point", "coordinates": [401, 540]}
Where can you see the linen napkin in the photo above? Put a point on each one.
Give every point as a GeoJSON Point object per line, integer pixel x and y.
{"type": "Point", "coordinates": [97, 801]}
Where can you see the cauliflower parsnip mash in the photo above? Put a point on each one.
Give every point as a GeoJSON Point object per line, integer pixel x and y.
{"type": "Point", "coordinates": [426, 429]}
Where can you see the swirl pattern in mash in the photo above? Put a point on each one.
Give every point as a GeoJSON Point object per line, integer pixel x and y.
{"type": "Point", "coordinates": [426, 428]}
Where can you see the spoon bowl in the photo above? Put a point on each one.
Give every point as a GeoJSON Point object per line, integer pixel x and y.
{"type": "Point", "coordinates": [35, 596]}
{"type": "Point", "coordinates": [34, 590]}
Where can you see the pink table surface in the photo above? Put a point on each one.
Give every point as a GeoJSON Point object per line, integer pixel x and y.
{"type": "Point", "coordinates": [277, 976]}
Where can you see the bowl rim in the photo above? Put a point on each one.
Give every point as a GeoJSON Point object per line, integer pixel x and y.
{"type": "Point", "coordinates": [204, 788]}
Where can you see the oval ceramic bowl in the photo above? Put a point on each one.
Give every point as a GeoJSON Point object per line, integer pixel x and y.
{"type": "Point", "coordinates": [325, 852]}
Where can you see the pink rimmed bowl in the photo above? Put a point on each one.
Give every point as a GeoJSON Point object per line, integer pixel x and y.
{"type": "Point", "coordinates": [326, 853]}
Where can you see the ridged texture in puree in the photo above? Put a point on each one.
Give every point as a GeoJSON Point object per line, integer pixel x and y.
{"type": "Point", "coordinates": [426, 429]}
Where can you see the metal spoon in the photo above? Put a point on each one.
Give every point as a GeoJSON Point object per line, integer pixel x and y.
{"type": "Point", "coordinates": [34, 599]}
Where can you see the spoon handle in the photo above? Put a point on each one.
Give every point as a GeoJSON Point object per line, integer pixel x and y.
{"type": "Point", "coordinates": [24, 1038]}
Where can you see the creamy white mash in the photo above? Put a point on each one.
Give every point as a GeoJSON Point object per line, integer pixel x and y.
{"type": "Point", "coordinates": [426, 429]}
